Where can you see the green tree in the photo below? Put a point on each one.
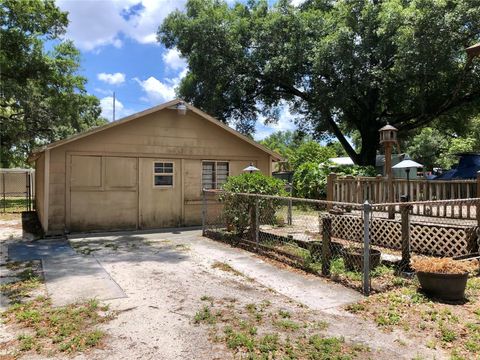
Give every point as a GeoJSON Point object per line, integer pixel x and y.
{"type": "Point", "coordinates": [285, 143]}
{"type": "Point", "coordinates": [342, 66]}
{"type": "Point", "coordinates": [311, 151]}
{"type": "Point", "coordinates": [43, 98]}
{"type": "Point", "coordinates": [435, 148]}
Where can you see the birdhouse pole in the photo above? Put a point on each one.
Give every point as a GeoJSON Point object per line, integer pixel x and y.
{"type": "Point", "coordinates": [388, 138]}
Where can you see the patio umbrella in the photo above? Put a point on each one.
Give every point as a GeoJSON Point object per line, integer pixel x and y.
{"type": "Point", "coordinates": [250, 168]}
{"type": "Point", "coordinates": [407, 164]}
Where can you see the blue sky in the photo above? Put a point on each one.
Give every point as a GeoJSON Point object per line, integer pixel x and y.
{"type": "Point", "coordinates": [117, 40]}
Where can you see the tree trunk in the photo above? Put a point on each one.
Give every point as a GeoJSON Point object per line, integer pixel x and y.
{"type": "Point", "coordinates": [370, 141]}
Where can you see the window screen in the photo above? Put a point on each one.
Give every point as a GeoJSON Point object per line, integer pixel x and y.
{"type": "Point", "coordinates": [214, 174]}
{"type": "Point", "coordinates": [163, 174]}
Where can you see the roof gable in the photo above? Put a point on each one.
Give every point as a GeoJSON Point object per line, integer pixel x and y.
{"type": "Point", "coordinates": [152, 110]}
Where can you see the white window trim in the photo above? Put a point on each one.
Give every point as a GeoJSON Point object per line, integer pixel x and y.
{"type": "Point", "coordinates": [215, 162]}
{"type": "Point", "coordinates": [172, 174]}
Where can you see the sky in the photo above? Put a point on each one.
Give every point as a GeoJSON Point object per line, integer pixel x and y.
{"type": "Point", "coordinates": [120, 53]}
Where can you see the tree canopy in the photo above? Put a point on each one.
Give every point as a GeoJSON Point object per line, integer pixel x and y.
{"type": "Point", "coordinates": [43, 98]}
{"type": "Point", "coordinates": [437, 148]}
{"type": "Point", "coordinates": [342, 66]}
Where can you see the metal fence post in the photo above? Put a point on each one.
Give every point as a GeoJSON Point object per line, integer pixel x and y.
{"type": "Point", "coordinates": [3, 192]}
{"type": "Point", "coordinates": [289, 214]}
{"type": "Point", "coordinates": [366, 247]}
{"type": "Point", "coordinates": [326, 242]}
{"type": "Point", "coordinates": [257, 225]}
{"type": "Point", "coordinates": [405, 214]}
{"type": "Point", "coordinates": [204, 210]}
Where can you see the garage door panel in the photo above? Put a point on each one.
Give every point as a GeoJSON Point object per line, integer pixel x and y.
{"type": "Point", "coordinates": [86, 171]}
{"type": "Point", "coordinates": [120, 172]}
{"type": "Point", "coordinates": [103, 210]}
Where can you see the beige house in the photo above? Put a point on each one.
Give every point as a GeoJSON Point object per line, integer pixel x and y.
{"type": "Point", "coordinates": [144, 171]}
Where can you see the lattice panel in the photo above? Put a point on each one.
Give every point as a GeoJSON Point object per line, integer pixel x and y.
{"type": "Point", "coordinates": [428, 239]}
{"type": "Point", "coordinates": [439, 240]}
{"type": "Point", "coordinates": [347, 227]}
{"type": "Point", "coordinates": [386, 233]}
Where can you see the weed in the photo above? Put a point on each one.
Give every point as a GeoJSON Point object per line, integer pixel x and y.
{"type": "Point", "coordinates": [26, 342]}
{"type": "Point", "coordinates": [226, 267]}
{"type": "Point", "coordinates": [113, 246]}
{"type": "Point", "coordinates": [356, 308]}
{"type": "Point", "coordinates": [206, 298]}
{"type": "Point", "coordinates": [447, 335]}
{"type": "Point", "coordinates": [284, 314]}
{"type": "Point", "coordinates": [204, 315]}
{"type": "Point", "coordinates": [235, 339]}
{"type": "Point", "coordinates": [388, 318]}
{"type": "Point", "coordinates": [67, 328]}
{"type": "Point", "coordinates": [287, 324]}
{"type": "Point", "coordinates": [323, 348]}
{"type": "Point", "coordinates": [268, 344]}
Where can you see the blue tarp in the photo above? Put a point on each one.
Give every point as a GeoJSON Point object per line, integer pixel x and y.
{"type": "Point", "coordinates": [468, 167]}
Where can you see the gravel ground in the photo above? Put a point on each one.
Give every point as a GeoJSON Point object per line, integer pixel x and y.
{"type": "Point", "coordinates": [165, 275]}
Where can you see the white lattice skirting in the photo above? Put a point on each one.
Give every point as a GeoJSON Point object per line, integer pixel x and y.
{"type": "Point", "coordinates": [428, 239]}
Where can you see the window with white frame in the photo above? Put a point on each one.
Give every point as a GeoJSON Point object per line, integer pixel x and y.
{"type": "Point", "coordinates": [214, 174]}
{"type": "Point", "coordinates": [162, 174]}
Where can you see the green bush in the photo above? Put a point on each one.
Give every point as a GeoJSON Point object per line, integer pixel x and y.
{"type": "Point", "coordinates": [310, 178]}
{"type": "Point", "coordinates": [240, 210]}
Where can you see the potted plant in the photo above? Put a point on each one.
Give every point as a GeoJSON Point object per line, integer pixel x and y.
{"type": "Point", "coordinates": [353, 257]}
{"type": "Point", "coordinates": [442, 278]}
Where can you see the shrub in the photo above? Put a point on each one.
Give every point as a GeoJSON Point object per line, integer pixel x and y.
{"type": "Point", "coordinates": [240, 210]}
{"type": "Point", "coordinates": [310, 178]}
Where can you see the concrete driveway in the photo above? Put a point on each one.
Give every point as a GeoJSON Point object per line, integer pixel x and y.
{"type": "Point", "coordinates": [165, 275]}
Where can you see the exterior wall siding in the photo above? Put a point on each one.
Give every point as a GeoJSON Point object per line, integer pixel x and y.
{"type": "Point", "coordinates": [39, 188]}
{"type": "Point", "coordinates": [187, 139]}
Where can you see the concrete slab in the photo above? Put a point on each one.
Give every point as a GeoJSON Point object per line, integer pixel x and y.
{"type": "Point", "coordinates": [36, 250]}
{"type": "Point", "coordinates": [313, 291]}
{"type": "Point", "coordinates": [76, 278]}
{"type": "Point", "coordinates": [69, 277]}
{"type": "Point", "coordinates": [310, 290]}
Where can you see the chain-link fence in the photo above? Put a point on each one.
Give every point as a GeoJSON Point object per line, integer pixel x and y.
{"type": "Point", "coordinates": [17, 190]}
{"type": "Point", "coordinates": [333, 239]}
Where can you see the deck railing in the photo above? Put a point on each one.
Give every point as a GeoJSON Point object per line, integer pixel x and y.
{"type": "Point", "coordinates": [349, 189]}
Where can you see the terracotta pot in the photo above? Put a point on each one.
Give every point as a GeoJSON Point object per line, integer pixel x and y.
{"type": "Point", "coordinates": [449, 287]}
{"type": "Point", "coordinates": [353, 259]}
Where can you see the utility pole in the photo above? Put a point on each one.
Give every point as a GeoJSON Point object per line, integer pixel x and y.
{"type": "Point", "coordinates": [113, 106]}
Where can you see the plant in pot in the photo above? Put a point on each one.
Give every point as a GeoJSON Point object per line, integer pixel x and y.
{"type": "Point", "coordinates": [442, 278]}
{"type": "Point", "coordinates": [353, 257]}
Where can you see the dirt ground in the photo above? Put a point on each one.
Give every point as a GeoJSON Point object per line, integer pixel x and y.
{"type": "Point", "coordinates": [167, 278]}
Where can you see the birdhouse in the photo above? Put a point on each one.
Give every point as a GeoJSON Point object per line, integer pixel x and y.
{"type": "Point", "coordinates": [388, 134]}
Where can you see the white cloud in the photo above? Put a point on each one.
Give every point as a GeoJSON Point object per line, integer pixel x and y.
{"type": "Point", "coordinates": [94, 24]}
{"type": "Point", "coordinates": [173, 60]}
{"type": "Point", "coordinates": [297, 2]}
{"type": "Point", "coordinates": [107, 108]}
{"type": "Point", "coordinates": [157, 91]}
{"type": "Point", "coordinates": [112, 79]}
{"type": "Point", "coordinates": [103, 91]}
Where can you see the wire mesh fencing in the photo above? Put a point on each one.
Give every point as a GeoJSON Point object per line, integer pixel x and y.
{"type": "Point", "coordinates": [17, 190]}
{"type": "Point", "coordinates": [366, 247]}
{"type": "Point", "coordinates": [293, 231]}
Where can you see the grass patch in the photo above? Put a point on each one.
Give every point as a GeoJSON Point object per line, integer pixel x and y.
{"type": "Point", "coordinates": [454, 328]}
{"type": "Point", "coordinates": [68, 329]}
{"type": "Point", "coordinates": [293, 337]}
{"type": "Point", "coordinates": [13, 204]}
{"type": "Point", "coordinates": [287, 324]}
{"type": "Point", "coordinates": [27, 281]}
{"type": "Point", "coordinates": [226, 267]}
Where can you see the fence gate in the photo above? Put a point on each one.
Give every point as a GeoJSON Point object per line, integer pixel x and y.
{"type": "Point", "coordinates": [17, 190]}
